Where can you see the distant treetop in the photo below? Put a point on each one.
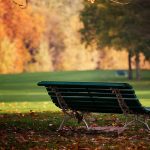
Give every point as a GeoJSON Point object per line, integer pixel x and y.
{"type": "Point", "coordinates": [24, 3]}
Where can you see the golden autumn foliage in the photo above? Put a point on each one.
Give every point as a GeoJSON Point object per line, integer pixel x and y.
{"type": "Point", "coordinates": [43, 59]}
{"type": "Point", "coordinates": [44, 36]}
{"type": "Point", "coordinates": [6, 50]}
{"type": "Point", "coordinates": [21, 27]}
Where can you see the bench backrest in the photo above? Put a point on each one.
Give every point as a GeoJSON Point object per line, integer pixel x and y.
{"type": "Point", "coordinates": [93, 96]}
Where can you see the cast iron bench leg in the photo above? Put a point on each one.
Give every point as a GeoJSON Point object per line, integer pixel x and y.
{"type": "Point", "coordinates": [85, 123]}
{"type": "Point", "coordinates": [136, 119]}
{"type": "Point", "coordinates": [62, 123]}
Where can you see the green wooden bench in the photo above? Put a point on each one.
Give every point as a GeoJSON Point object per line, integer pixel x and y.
{"type": "Point", "coordinates": [77, 98]}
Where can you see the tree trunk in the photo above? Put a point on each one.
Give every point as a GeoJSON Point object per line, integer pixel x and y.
{"type": "Point", "coordinates": [137, 60]}
{"type": "Point", "coordinates": [130, 73]}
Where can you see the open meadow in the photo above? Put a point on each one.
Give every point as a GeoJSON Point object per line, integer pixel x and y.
{"type": "Point", "coordinates": [28, 119]}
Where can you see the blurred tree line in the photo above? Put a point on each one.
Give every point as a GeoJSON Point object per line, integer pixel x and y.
{"type": "Point", "coordinates": [44, 36]}
{"type": "Point", "coordinates": [108, 24]}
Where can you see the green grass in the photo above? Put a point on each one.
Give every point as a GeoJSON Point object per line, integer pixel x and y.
{"type": "Point", "coordinates": [20, 93]}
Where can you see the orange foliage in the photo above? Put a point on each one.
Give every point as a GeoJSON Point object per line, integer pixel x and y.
{"type": "Point", "coordinates": [26, 46]}
{"type": "Point", "coordinates": [23, 28]}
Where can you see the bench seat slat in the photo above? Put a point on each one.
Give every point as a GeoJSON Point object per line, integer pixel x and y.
{"type": "Point", "coordinates": [93, 94]}
{"type": "Point", "coordinates": [99, 105]}
{"type": "Point", "coordinates": [102, 109]}
{"type": "Point", "coordinates": [78, 98]}
{"type": "Point", "coordinates": [129, 91]}
{"type": "Point", "coordinates": [102, 105]}
{"type": "Point", "coordinates": [86, 102]}
{"type": "Point", "coordinates": [94, 109]}
{"type": "Point", "coordinates": [84, 84]}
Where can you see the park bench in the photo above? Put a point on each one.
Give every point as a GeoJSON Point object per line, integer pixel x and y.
{"type": "Point", "coordinates": [122, 73]}
{"type": "Point", "coordinates": [78, 98]}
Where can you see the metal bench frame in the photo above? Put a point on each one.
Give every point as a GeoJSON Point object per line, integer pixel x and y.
{"type": "Point", "coordinates": [126, 111]}
{"type": "Point", "coordinates": [67, 112]}
{"type": "Point", "coordinates": [79, 116]}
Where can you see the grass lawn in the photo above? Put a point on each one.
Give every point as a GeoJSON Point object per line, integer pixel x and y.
{"type": "Point", "coordinates": [29, 120]}
{"type": "Point", "coordinates": [20, 93]}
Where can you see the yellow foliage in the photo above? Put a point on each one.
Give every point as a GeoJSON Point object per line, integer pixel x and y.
{"type": "Point", "coordinates": [23, 28]}
{"type": "Point", "coordinates": [7, 56]}
{"type": "Point", "coordinates": [45, 37]}
{"type": "Point", "coordinates": [43, 59]}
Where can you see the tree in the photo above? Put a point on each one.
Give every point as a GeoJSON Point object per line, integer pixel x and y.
{"type": "Point", "coordinates": [109, 25]}
{"type": "Point", "coordinates": [55, 40]}
{"type": "Point", "coordinates": [21, 28]}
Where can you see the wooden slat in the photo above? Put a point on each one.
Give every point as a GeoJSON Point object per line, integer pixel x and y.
{"type": "Point", "coordinates": [80, 90]}
{"type": "Point", "coordinates": [78, 98]}
{"type": "Point", "coordinates": [84, 84]}
{"type": "Point", "coordinates": [103, 109]}
{"type": "Point", "coordinates": [93, 94]}
{"type": "Point", "coordinates": [93, 109]}
{"type": "Point", "coordinates": [102, 103]}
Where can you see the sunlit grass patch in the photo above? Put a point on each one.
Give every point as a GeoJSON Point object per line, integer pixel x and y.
{"type": "Point", "coordinates": [145, 102]}
{"type": "Point", "coordinates": [24, 107]}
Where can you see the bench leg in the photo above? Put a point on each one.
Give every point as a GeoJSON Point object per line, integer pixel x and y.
{"type": "Point", "coordinates": [85, 123]}
{"type": "Point", "coordinates": [67, 117]}
{"type": "Point", "coordinates": [136, 119]}
{"type": "Point", "coordinates": [145, 123]}
{"type": "Point", "coordinates": [128, 123]}
{"type": "Point", "coordinates": [62, 123]}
